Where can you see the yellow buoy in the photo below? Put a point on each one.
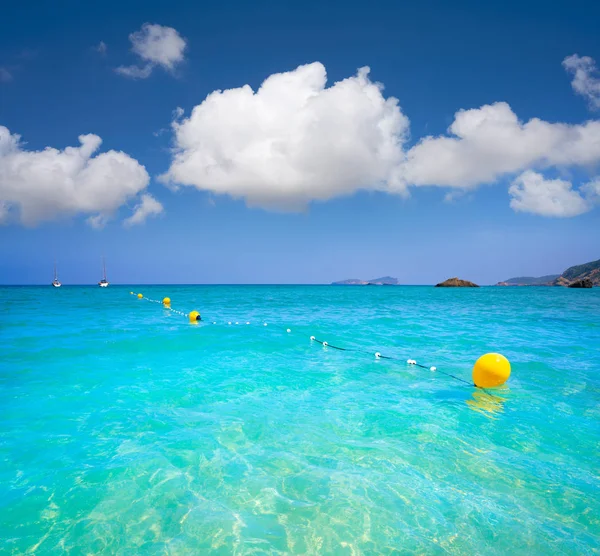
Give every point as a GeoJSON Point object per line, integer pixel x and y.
{"type": "Point", "coordinates": [140, 296]}
{"type": "Point", "coordinates": [195, 316]}
{"type": "Point", "coordinates": [166, 301]}
{"type": "Point", "coordinates": [491, 369]}
{"type": "Point", "coordinates": [130, 293]}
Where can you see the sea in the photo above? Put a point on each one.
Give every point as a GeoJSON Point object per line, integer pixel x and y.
{"type": "Point", "coordinates": [125, 429]}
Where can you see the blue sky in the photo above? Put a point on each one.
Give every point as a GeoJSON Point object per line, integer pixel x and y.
{"type": "Point", "coordinates": [315, 217]}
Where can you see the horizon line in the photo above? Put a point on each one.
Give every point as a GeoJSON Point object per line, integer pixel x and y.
{"type": "Point", "coordinates": [112, 284]}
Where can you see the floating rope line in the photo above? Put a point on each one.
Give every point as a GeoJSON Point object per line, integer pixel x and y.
{"type": "Point", "coordinates": [380, 356]}
{"type": "Point", "coordinates": [194, 316]}
{"type": "Point", "coordinates": [165, 305]}
{"type": "Point", "coordinates": [326, 344]}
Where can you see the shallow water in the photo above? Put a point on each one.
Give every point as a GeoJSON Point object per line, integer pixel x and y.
{"type": "Point", "coordinates": [126, 430]}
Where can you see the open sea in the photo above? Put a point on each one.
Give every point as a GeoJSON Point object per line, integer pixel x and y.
{"type": "Point", "coordinates": [124, 429]}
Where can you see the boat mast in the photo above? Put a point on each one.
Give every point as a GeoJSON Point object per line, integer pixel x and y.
{"type": "Point", "coordinates": [103, 269]}
{"type": "Point", "coordinates": [55, 273]}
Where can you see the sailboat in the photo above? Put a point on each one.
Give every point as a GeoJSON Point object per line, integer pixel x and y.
{"type": "Point", "coordinates": [104, 282]}
{"type": "Point", "coordinates": [55, 282]}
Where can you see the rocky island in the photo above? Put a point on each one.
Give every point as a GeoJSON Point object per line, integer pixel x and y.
{"type": "Point", "coordinates": [456, 283]}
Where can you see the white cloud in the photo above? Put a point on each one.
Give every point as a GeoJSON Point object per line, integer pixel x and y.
{"type": "Point", "coordinates": [584, 81]}
{"type": "Point", "coordinates": [135, 72]}
{"type": "Point", "coordinates": [148, 206]}
{"type": "Point", "coordinates": [157, 46]}
{"type": "Point", "coordinates": [101, 48]}
{"type": "Point", "coordinates": [97, 221]}
{"type": "Point", "coordinates": [37, 186]}
{"type": "Point", "coordinates": [5, 75]}
{"type": "Point", "coordinates": [292, 141]}
{"type": "Point", "coordinates": [531, 192]}
{"type": "Point", "coordinates": [486, 143]}
{"type": "Point", "coordinates": [592, 190]}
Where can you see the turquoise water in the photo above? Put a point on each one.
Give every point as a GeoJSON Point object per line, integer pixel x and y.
{"type": "Point", "coordinates": [126, 430]}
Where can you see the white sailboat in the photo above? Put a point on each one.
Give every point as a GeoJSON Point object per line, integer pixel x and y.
{"type": "Point", "coordinates": [104, 282]}
{"type": "Point", "coordinates": [55, 282]}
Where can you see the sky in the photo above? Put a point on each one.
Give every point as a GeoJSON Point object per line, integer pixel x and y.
{"type": "Point", "coordinates": [298, 142]}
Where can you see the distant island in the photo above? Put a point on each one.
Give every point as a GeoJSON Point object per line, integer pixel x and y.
{"type": "Point", "coordinates": [456, 283]}
{"type": "Point", "coordinates": [385, 281]}
{"type": "Point", "coordinates": [588, 273]}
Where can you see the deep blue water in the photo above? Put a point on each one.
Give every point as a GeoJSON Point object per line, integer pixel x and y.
{"type": "Point", "coordinates": [126, 430]}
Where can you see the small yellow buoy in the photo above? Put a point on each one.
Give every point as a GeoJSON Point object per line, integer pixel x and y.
{"type": "Point", "coordinates": [166, 301]}
{"type": "Point", "coordinates": [140, 296]}
{"type": "Point", "coordinates": [130, 293]}
{"type": "Point", "coordinates": [195, 316]}
{"type": "Point", "coordinates": [491, 369]}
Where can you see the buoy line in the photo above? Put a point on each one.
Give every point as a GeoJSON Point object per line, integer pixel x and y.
{"type": "Point", "coordinates": [476, 369]}
{"type": "Point", "coordinates": [378, 355]}
{"type": "Point", "coordinates": [490, 370]}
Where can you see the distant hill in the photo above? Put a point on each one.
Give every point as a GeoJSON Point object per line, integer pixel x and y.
{"type": "Point", "coordinates": [385, 281]}
{"type": "Point", "coordinates": [590, 271]}
{"type": "Point", "coordinates": [530, 280]}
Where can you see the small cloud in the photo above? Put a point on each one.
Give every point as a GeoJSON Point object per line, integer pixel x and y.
{"type": "Point", "coordinates": [98, 221]}
{"type": "Point", "coordinates": [531, 192]}
{"type": "Point", "coordinates": [101, 48]}
{"type": "Point", "coordinates": [454, 195]}
{"type": "Point", "coordinates": [157, 46]}
{"type": "Point", "coordinates": [586, 81]}
{"type": "Point", "coordinates": [135, 72]}
{"type": "Point", "coordinates": [5, 75]}
{"type": "Point", "coordinates": [592, 190]}
{"type": "Point", "coordinates": [148, 206]}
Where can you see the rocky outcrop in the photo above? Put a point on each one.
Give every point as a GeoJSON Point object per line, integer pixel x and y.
{"type": "Point", "coordinates": [456, 283]}
{"type": "Point", "coordinates": [585, 283]}
{"type": "Point", "coordinates": [587, 271]}
{"type": "Point", "coordinates": [561, 281]}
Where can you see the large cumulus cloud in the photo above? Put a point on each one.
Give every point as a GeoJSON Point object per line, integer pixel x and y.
{"type": "Point", "coordinates": [292, 141]}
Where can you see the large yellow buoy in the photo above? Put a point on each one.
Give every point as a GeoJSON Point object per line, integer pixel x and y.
{"type": "Point", "coordinates": [166, 301]}
{"type": "Point", "coordinates": [491, 369]}
{"type": "Point", "coordinates": [195, 316]}
{"type": "Point", "coordinates": [140, 296]}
